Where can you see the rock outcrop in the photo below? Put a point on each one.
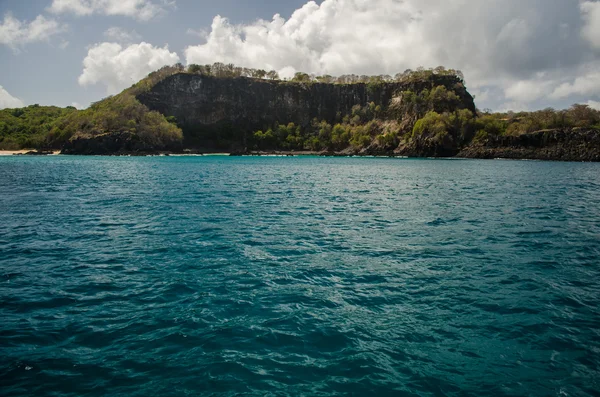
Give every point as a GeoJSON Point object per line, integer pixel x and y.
{"type": "Point", "coordinates": [221, 112]}
{"type": "Point", "coordinates": [577, 144]}
{"type": "Point", "coordinates": [116, 143]}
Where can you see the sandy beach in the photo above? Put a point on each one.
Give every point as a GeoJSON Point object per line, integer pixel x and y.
{"type": "Point", "coordinates": [23, 151]}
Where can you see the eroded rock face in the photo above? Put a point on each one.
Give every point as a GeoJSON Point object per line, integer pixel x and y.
{"type": "Point", "coordinates": [577, 144]}
{"type": "Point", "coordinates": [212, 110]}
{"type": "Point", "coordinates": [115, 143]}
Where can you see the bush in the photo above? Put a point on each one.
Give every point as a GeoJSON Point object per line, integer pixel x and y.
{"type": "Point", "coordinates": [432, 124]}
{"type": "Point", "coordinates": [121, 113]}
{"type": "Point", "coordinates": [28, 128]}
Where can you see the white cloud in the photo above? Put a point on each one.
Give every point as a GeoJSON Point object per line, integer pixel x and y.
{"type": "Point", "coordinates": [587, 82]}
{"type": "Point", "coordinates": [9, 101]}
{"type": "Point", "coordinates": [119, 67]}
{"type": "Point", "coordinates": [527, 90]}
{"type": "Point", "coordinates": [591, 30]}
{"type": "Point", "coordinates": [15, 33]}
{"type": "Point", "coordinates": [77, 7]}
{"type": "Point", "coordinates": [385, 36]}
{"type": "Point", "coordinates": [514, 107]}
{"type": "Point", "coordinates": [481, 95]}
{"type": "Point", "coordinates": [523, 50]}
{"type": "Point", "coordinates": [140, 9]}
{"type": "Point", "coordinates": [593, 104]}
{"type": "Point", "coordinates": [121, 35]}
{"type": "Point", "coordinates": [198, 33]}
{"type": "Point", "coordinates": [337, 37]}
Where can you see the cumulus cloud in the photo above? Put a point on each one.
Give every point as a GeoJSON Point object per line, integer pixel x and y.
{"type": "Point", "coordinates": [140, 9]}
{"type": "Point", "coordinates": [15, 33]}
{"type": "Point", "coordinates": [593, 104]}
{"type": "Point", "coordinates": [528, 90]}
{"type": "Point", "coordinates": [118, 67]}
{"type": "Point", "coordinates": [586, 83]}
{"type": "Point", "coordinates": [514, 107]}
{"type": "Point", "coordinates": [197, 32]}
{"type": "Point", "coordinates": [523, 49]}
{"type": "Point", "coordinates": [121, 35]}
{"type": "Point", "coordinates": [9, 101]}
{"type": "Point", "coordinates": [328, 38]}
{"type": "Point", "coordinates": [591, 29]}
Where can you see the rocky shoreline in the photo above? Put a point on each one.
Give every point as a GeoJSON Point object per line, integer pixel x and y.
{"type": "Point", "coordinates": [552, 145]}
{"type": "Point", "coordinates": [473, 153]}
{"type": "Point", "coordinates": [577, 144]}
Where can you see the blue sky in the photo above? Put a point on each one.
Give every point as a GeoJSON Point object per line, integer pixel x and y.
{"type": "Point", "coordinates": [42, 72]}
{"type": "Point", "coordinates": [515, 54]}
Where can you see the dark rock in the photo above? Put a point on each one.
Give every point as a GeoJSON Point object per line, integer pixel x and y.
{"type": "Point", "coordinates": [220, 113]}
{"type": "Point", "coordinates": [115, 143]}
{"type": "Point", "coordinates": [37, 153]}
{"type": "Point", "coordinates": [577, 144]}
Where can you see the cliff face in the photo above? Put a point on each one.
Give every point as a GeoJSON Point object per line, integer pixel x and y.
{"type": "Point", "coordinates": [114, 143]}
{"type": "Point", "coordinates": [577, 144]}
{"type": "Point", "coordinates": [212, 111]}
{"type": "Point", "coordinates": [223, 114]}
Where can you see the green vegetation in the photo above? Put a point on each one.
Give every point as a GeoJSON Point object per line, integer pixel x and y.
{"type": "Point", "coordinates": [221, 70]}
{"type": "Point", "coordinates": [322, 136]}
{"type": "Point", "coordinates": [30, 127]}
{"type": "Point", "coordinates": [42, 127]}
{"type": "Point", "coordinates": [358, 130]}
{"type": "Point", "coordinates": [51, 127]}
{"type": "Point", "coordinates": [417, 104]}
{"type": "Point", "coordinates": [514, 124]}
{"type": "Point", "coordinates": [154, 78]}
{"type": "Point", "coordinates": [431, 120]}
{"type": "Point", "coordinates": [120, 113]}
{"type": "Point", "coordinates": [448, 129]}
{"type": "Point", "coordinates": [430, 115]}
{"type": "Point", "coordinates": [460, 128]}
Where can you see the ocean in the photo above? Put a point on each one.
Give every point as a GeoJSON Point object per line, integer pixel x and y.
{"type": "Point", "coordinates": [290, 276]}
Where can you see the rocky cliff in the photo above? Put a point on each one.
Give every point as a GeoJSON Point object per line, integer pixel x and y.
{"type": "Point", "coordinates": [576, 144]}
{"type": "Point", "coordinates": [221, 112]}
{"type": "Point", "coordinates": [426, 115]}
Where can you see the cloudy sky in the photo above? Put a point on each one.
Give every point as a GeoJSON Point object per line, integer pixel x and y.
{"type": "Point", "coordinates": [515, 54]}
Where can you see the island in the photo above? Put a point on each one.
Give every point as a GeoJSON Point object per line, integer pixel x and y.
{"type": "Point", "coordinates": [224, 108]}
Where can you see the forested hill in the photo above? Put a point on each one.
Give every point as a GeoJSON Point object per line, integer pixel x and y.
{"type": "Point", "coordinates": [246, 113]}
{"type": "Point", "coordinates": [225, 108]}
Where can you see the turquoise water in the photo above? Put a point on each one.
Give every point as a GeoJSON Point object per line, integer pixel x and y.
{"type": "Point", "coordinates": [298, 276]}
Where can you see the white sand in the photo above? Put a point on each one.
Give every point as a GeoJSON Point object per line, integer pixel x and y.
{"type": "Point", "coordinates": [23, 151]}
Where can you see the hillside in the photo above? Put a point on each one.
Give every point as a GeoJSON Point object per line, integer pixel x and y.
{"type": "Point", "coordinates": [118, 124]}
{"type": "Point", "coordinates": [242, 113]}
{"type": "Point", "coordinates": [31, 127]}
{"type": "Point", "coordinates": [224, 108]}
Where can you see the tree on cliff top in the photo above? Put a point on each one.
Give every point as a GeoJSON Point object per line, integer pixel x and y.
{"type": "Point", "coordinates": [221, 70]}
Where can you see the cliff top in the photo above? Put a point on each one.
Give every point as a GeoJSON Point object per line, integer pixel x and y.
{"type": "Point", "coordinates": [433, 77]}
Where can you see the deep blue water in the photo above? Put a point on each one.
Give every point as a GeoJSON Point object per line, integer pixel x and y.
{"type": "Point", "coordinates": [298, 276]}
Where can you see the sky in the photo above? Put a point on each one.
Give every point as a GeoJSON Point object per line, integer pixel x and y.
{"type": "Point", "coordinates": [515, 54]}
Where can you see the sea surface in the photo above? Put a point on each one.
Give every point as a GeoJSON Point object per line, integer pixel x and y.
{"type": "Point", "coordinates": [290, 276]}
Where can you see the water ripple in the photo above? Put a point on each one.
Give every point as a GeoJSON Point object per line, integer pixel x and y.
{"type": "Point", "coordinates": [298, 276]}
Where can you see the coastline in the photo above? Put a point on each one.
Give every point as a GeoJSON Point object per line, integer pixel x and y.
{"type": "Point", "coordinates": [465, 154]}
{"type": "Point", "coordinates": [29, 152]}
